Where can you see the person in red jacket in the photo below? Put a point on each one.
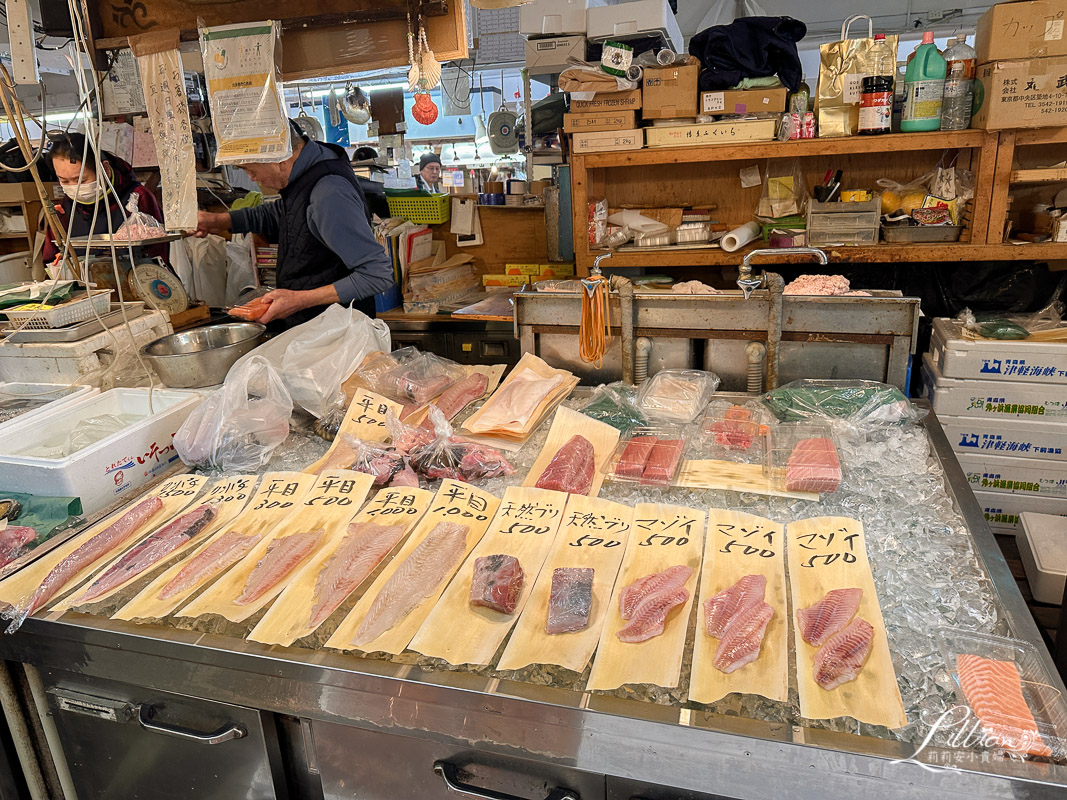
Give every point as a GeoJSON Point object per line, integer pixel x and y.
{"type": "Point", "coordinates": [82, 197]}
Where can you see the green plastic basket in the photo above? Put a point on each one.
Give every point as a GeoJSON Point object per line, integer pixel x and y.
{"type": "Point", "coordinates": [430, 209]}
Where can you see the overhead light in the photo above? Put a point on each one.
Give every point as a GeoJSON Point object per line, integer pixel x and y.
{"type": "Point", "coordinates": [380, 87]}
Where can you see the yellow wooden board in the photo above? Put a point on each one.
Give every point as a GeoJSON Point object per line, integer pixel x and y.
{"type": "Point", "coordinates": [712, 474]}
{"type": "Point", "coordinates": [525, 527]}
{"type": "Point", "coordinates": [567, 424]}
{"type": "Point", "coordinates": [288, 619]}
{"type": "Point", "coordinates": [455, 502]}
{"type": "Point", "coordinates": [176, 493]}
{"type": "Point", "coordinates": [365, 419]}
{"type": "Point", "coordinates": [273, 500]}
{"type": "Point", "coordinates": [328, 505]}
{"type": "Point", "coordinates": [663, 536]}
{"type": "Point", "coordinates": [737, 545]}
{"type": "Point", "coordinates": [830, 553]}
{"type": "Point", "coordinates": [529, 366]}
{"type": "Point", "coordinates": [229, 494]}
{"type": "Point", "coordinates": [593, 535]}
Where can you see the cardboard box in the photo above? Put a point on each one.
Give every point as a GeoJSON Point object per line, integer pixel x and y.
{"type": "Point", "coordinates": [729, 132]}
{"type": "Point", "coordinates": [744, 101]}
{"type": "Point", "coordinates": [557, 270]}
{"type": "Point", "coordinates": [1043, 222]}
{"type": "Point", "coordinates": [609, 101]}
{"type": "Point", "coordinates": [670, 92]}
{"type": "Point", "coordinates": [549, 56]}
{"type": "Point", "coordinates": [1022, 30]}
{"type": "Point", "coordinates": [610, 121]}
{"type": "Point", "coordinates": [1029, 93]}
{"type": "Point", "coordinates": [607, 141]}
{"type": "Point", "coordinates": [554, 17]}
{"type": "Point", "coordinates": [522, 269]}
{"type": "Point", "coordinates": [506, 280]}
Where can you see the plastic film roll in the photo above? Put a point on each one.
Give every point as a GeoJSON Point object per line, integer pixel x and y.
{"type": "Point", "coordinates": [634, 73]}
{"type": "Point", "coordinates": [666, 57]}
{"type": "Point", "coordinates": [739, 237]}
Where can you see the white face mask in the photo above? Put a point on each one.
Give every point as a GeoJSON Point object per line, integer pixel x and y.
{"type": "Point", "coordinates": [87, 193]}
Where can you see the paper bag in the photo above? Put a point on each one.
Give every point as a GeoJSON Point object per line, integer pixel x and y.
{"type": "Point", "coordinates": [842, 67]}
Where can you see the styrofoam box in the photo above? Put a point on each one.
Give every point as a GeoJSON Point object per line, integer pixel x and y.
{"type": "Point", "coordinates": [1007, 437]}
{"type": "Point", "coordinates": [634, 20]}
{"type": "Point", "coordinates": [1033, 476]}
{"type": "Point", "coordinates": [1002, 510]}
{"type": "Point", "coordinates": [112, 468]}
{"type": "Point", "coordinates": [56, 395]}
{"type": "Point", "coordinates": [995, 359]}
{"type": "Point", "coordinates": [1043, 551]}
{"type": "Point", "coordinates": [996, 399]}
{"type": "Point", "coordinates": [555, 17]}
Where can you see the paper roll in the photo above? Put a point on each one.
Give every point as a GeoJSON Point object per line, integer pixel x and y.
{"type": "Point", "coordinates": [739, 237]}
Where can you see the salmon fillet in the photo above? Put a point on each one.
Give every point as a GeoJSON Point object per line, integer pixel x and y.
{"type": "Point", "coordinates": [994, 691]}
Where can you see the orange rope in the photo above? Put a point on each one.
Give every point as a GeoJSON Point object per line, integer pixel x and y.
{"type": "Point", "coordinates": [595, 331]}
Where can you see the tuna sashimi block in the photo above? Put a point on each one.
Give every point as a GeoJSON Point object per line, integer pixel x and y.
{"type": "Point", "coordinates": [803, 457]}
{"type": "Point", "coordinates": [649, 455]}
{"type": "Point", "coordinates": [575, 455]}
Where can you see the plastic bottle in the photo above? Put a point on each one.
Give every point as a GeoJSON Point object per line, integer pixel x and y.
{"type": "Point", "coordinates": [924, 82]}
{"type": "Point", "coordinates": [962, 61]}
{"type": "Point", "coordinates": [876, 101]}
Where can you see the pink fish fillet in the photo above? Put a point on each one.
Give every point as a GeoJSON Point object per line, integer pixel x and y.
{"type": "Point", "coordinates": [841, 657]}
{"type": "Point", "coordinates": [12, 539]}
{"type": "Point", "coordinates": [831, 614]}
{"type": "Point", "coordinates": [571, 468]}
{"type": "Point", "coordinates": [151, 550]}
{"type": "Point", "coordinates": [813, 466]}
{"type": "Point", "coordinates": [218, 556]}
{"type": "Point", "coordinates": [419, 575]}
{"type": "Point", "coordinates": [364, 547]}
{"type": "Point", "coordinates": [634, 456]}
{"type": "Point", "coordinates": [459, 395]}
{"type": "Point", "coordinates": [667, 581]}
{"type": "Point", "coordinates": [650, 616]}
{"type": "Point", "coordinates": [282, 557]}
{"type": "Point", "coordinates": [741, 641]}
{"type": "Point", "coordinates": [512, 405]}
{"type": "Point", "coordinates": [720, 609]}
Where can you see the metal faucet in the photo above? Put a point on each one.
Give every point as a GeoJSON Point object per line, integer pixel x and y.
{"type": "Point", "coordinates": [596, 262]}
{"type": "Point", "coordinates": [748, 284]}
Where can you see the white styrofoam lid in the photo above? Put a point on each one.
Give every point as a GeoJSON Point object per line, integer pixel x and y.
{"type": "Point", "coordinates": [1047, 534]}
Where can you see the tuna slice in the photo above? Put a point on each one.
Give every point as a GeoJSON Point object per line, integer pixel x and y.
{"type": "Point", "coordinates": [571, 468]}
{"type": "Point", "coordinates": [650, 616]}
{"type": "Point", "coordinates": [364, 547]}
{"type": "Point", "coordinates": [721, 609]}
{"type": "Point", "coordinates": [220, 555]}
{"type": "Point", "coordinates": [151, 550]}
{"type": "Point", "coordinates": [459, 395]}
{"type": "Point", "coordinates": [497, 583]}
{"type": "Point", "coordinates": [662, 462]}
{"type": "Point", "coordinates": [813, 466]}
{"type": "Point", "coordinates": [741, 641]}
{"type": "Point", "coordinates": [735, 430]}
{"type": "Point", "coordinates": [12, 539]}
{"type": "Point", "coordinates": [282, 557]}
{"type": "Point", "coordinates": [570, 600]}
{"type": "Point", "coordinates": [831, 614]}
{"type": "Point", "coordinates": [667, 581]}
{"type": "Point", "coordinates": [635, 456]}
{"type": "Point", "coordinates": [841, 657]}
{"type": "Point", "coordinates": [994, 691]}
{"type": "Point", "coordinates": [429, 565]}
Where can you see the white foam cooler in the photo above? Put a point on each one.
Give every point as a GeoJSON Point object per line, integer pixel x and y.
{"type": "Point", "coordinates": [555, 17]}
{"type": "Point", "coordinates": [108, 470]}
{"type": "Point", "coordinates": [1018, 438]}
{"type": "Point", "coordinates": [1032, 476]}
{"type": "Point", "coordinates": [989, 398]}
{"type": "Point", "coordinates": [635, 20]}
{"type": "Point", "coordinates": [1002, 510]}
{"type": "Point", "coordinates": [1043, 551]}
{"type": "Point", "coordinates": [995, 359]}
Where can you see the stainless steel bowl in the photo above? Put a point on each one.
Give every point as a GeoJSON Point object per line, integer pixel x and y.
{"type": "Point", "coordinates": [202, 356]}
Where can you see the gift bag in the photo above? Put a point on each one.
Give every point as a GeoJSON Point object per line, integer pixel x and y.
{"type": "Point", "coordinates": [842, 67]}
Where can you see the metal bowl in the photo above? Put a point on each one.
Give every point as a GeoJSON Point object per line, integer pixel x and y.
{"type": "Point", "coordinates": [202, 356]}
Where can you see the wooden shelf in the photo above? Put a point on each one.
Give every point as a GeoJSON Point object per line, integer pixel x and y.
{"type": "Point", "coordinates": [22, 235]}
{"type": "Point", "coordinates": [1038, 175]}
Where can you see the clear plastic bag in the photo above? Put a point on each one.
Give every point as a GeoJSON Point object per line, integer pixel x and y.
{"type": "Point", "coordinates": [406, 438]}
{"type": "Point", "coordinates": [238, 427]}
{"type": "Point", "coordinates": [615, 404]}
{"type": "Point", "coordinates": [858, 403]}
{"type": "Point", "coordinates": [409, 376]}
{"type": "Point", "coordinates": [329, 423]}
{"type": "Point", "coordinates": [449, 456]}
{"type": "Point", "coordinates": [370, 458]}
{"type": "Point", "coordinates": [138, 225]}
{"type": "Point", "coordinates": [785, 192]}
{"type": "Point", "coordinates": [1012, 326]}
{"type": "Point", "coordinates": [677, 395]}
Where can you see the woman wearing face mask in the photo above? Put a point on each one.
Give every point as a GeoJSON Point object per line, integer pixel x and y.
{"type": "Point", "coordinates": [83, 191]}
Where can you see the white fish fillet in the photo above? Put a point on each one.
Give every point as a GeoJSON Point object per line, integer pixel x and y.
{"type": "Point", "coordinates": [282, 557]}
{"type": "Point", "coordinates": [511, 407]}
{"type": "Point", "coordinates": [221, 554]}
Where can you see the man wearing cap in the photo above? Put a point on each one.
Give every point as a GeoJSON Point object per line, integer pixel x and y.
{"type": "Point", "coordinates": [429, 179]}
{"type": "Point", "coordinates": [327, 252]}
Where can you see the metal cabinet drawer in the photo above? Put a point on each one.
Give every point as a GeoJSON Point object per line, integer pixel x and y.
{"type": "Point", "coordinates": [357, 764]}
{"type": "Point", "coordinates": [477, 347]}
{"type": "Point", "coordinates": [623, 789]}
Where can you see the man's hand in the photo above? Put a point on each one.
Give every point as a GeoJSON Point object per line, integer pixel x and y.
{"type": "Point", "coordinates": [284, 302]}
{"type": "Point", "coordinates": [208, 222]}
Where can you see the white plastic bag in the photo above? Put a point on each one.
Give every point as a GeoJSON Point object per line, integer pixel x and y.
{"type": "Point", "coordinates": [240, 269]}
{"type": "Point", "coordinates": [238, 427]}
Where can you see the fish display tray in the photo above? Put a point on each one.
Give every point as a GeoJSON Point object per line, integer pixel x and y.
{"type": "Point", "coordinates": [659, 432]}
{"type": "Point", "coordinates": [96, 304]}
{"type": "Point", "coordinates": [80, 330]}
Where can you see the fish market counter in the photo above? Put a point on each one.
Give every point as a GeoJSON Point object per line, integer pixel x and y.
{"type": "Point", "coordinates": [128, 708]}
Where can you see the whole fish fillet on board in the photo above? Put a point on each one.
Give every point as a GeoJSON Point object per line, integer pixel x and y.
{"type": "Point", "coordinates": [819, 622]}
{"type": "Point", "coordinates": [995, 693]}
{"type": "Point", "coordinates": [425, 568]}
{"type": "Point", "coordinates": [364, 547]}
{"type": "Point", "coordinates": [741, 641]}
{"type": "Point", "coordinates": [459, 395]}
{"type": "Point", "coordinates": [720, 609]}
{"type": "Point", "coordinates": [667, 581]}
{"type": "Point", "coordinates": [497, 582]}
{"type": "Point", "coordinates": [151, 550]}
{"type": "Point", "coordinates": [650, 616]}
{"type": "Point", "coordinates": [571, 468]}
{"type": "Point", "coordinates": [570, 600]}
{"type": "Point", "coordinates": [511, 407]}
{"type": "Point", "coordinates": [841, 657]}
{"type": "Point", "coordinates": [282, 557]}
{"type": "Point", "coordinates": [813, 466]}
{"type": "Point", "coordinates": [218, 556]}
{"type": "Point", "coordinates": [12, 539]}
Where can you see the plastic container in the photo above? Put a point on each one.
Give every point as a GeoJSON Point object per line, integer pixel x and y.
{"type": "Point", "coordinates": [692, 233]}
{"type": "Point", "coordinates": [962, 66]}
{"type": "Point", "coordinates": [677, 395]}
{"type": "Point", "coordinates": [1043, 551]}
{"type": "Point", "coordinates": [803, 457]}
{"type": "Point", "coordinates": [104, 472]}
{"type": "Point", "coordinates": [844, 223]}
{"type": "Point", "coordinates": [648, 455]}
{"type": "Point", "coordinates": [21, 402]}
{"type": "Point", "coordinates": [876, 105]}
{"type": "Point", "coordinates": [70, 313]}
{"type": "Point", "coordinates": [733, 433]}
{"type": "Point", "coordinates": [433, 210]}
{"type": "Point", "coordinates": [996, 359]}
{"type": "Point", "coordinates": [990, 398]}
{"type": "Point", "coordinates": [635, 20]}
{"type": "Point", "coordinates": [924, 86]}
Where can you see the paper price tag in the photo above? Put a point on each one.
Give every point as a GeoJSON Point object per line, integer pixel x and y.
{"type": "Point", "coordinates": [1053, 30]}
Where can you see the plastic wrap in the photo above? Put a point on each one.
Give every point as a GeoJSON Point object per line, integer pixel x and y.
{"type": "Point", "coordinates": [14, 542]}
{"type": "Point", "coordinates": [677, 395]}
{"type": "Point", "coordinates": [450, 456]}
{"type": "Point", "coordinates": [1012, 326]}
{"type": "Point", "coordinates": [410, 376]}
{"type": "Point", "coordinates": [239, 425]}
{"type": "Point", "coordinates": [138, 225]}
{"type": "Point", "coordinates": [374, 458]}
{"type": "Point", "coordinates": [614, 403]}
{"type": "Point", "coordinates": [858, 403]}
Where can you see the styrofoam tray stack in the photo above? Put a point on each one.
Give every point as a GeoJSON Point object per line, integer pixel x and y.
{"type": "Point", "coordinates": [1043, 551]}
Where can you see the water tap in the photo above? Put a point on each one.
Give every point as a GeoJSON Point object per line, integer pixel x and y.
{"type": "Point", "coordinates": [748, 284]}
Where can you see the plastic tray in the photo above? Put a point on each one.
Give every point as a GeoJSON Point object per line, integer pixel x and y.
{"type": "Point", "coordinates": [783, 440]}
{"type": "Point", "coordinates": [70, 313]}
{"type": "Point", "coordinates": [649, 444]}
{"type": "Point", "coordinates": [722, 436]}
{"type": "Point", "coordinates": [78, 331]}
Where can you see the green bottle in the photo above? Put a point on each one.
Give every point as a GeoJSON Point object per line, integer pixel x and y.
{"type": "Point", "coordinates": [924, 84]}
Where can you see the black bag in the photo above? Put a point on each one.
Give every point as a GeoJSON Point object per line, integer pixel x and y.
{"type": "Point", "coordinates": [11, 157]}
{"type": "Point", "coordinates": [546, 115]}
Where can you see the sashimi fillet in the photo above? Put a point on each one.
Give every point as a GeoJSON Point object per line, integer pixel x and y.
{"type": "Point", "coordinates": [650, 616]}
{"type": "Point", "coordinates": [841, 657]}
{"type": "Point", "coordinates": [570, 599]}
{"type": "Point", "coordinates": [735, 430]}
{"type": "Point", "coordinates": [667, 581]}
{"type": "Point", "coordinates": [152, 550]}
{"type": "Point", "coordinates": [282, 557]}
{"type": "Point", "coordinates": [828, 616]}
{"type": "Point", "coordinates": [415, 579]}
{"type": "Point", "coordinates": [813, 466]}
{"type": "Point", "coordinates": [634, 457]}
{"type": "Point", "coordinates": [511, 407]}
{"type": "Point", "coordinates": [497, 582]}
{"type": "Point", "coordinates": [720, 609]}
{"type": "Point", "coordinates": [741, 641]}
{"type": "Point", "coordinates": [571, 468]}
{"type": "Point", "coordinates": [662, 462]}
{"type": "Point", "coordinates": [218, 556]}
{"type": "Point", "coordinates": [459, 395]}
{"type": "Point", "coordinates": [12, 539]}
{"type": "Point", "coordinates": [364, 547]}
{"type": "Point", "coordinates": [995, 693]}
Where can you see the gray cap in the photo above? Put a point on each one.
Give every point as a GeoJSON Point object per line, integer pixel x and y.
{"type": "Point", "coordinates": [428, 158]}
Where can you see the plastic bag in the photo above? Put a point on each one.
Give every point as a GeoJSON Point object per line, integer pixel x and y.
{"type": "Point", "coordinates": [449, 456]}
{"type": "Point", "coordinates": [138, 225]}
{"type": "Point", "coordinates": [410, 376]}
{"type": "Point", "coordinates": [406, 438]}
{"type": "Point", "coordinates": [330, 422]}
{"type": "Point", "coordinates": [614, 404]}
{"type": "Point", "coordinates": [677, 395]}
{"type": "Point", "coordinates": [904, 197]}
{"type": "Point", "coordinates": [995, 325]}
{"type": "Point", "coordinates": [371, 458]}
{"type": "Point", "coordinates": [855, 402]}
{"type": "Point", "coordinates": [238, 427]}
{"type": "Point", "coordinates": [785, 192]}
